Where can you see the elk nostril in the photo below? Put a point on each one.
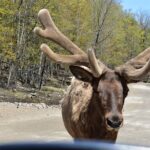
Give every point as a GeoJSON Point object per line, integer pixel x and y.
{"type": "Point", "coordinates": [114, 123]}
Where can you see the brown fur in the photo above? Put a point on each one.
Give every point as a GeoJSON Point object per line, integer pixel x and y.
{"type": "Point", "coordinates": [82, 110]}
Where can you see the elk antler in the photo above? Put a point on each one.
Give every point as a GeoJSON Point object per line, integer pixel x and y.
{"type": "Point", "coordinates": [97, 67]}
{"type": "Point", "coordinates": [136, 68]}
{"type": "Point", "coordinates": [52, 32]}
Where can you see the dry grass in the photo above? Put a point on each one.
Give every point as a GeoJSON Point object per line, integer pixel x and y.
{"type": "Point", "coordinates": [49, 95]}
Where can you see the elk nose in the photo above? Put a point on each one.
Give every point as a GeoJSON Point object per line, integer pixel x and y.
{"type": "Point", "coordinates": [114, 121]}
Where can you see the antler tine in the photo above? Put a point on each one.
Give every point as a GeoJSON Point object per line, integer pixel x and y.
{"type": "Point", "coordinates": [97, 66]}
{"type": "Point", "coordinates": [52, 32]}
{"type": "Point", "coordinates": [140, 60]}
{"type": "Point", "coordinates": [136, 68]}
{"type": "Point", "coordinates": [67, 59]}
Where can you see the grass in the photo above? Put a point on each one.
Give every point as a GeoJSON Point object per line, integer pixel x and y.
{"type": "Point", "coordinates": [48, 94]}
{"type": "Point", "coordinates": [51, 89]}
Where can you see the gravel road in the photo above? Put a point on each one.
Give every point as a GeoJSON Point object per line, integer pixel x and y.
{"type": "Point", "coordinates": [30, 122]}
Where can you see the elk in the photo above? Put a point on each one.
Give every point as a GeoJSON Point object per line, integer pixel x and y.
{"type": "Point", "coordinates": [92, 106]}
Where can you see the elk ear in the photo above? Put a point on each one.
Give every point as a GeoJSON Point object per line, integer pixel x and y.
{"type": "Point", "coordinates": [81, 73]}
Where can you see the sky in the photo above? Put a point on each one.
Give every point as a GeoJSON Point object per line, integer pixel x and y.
{"type": "Point", "coordinates": [136, 5]}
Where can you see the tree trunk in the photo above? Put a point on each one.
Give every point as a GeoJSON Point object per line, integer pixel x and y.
{"type": "Point", "coordinates": [41, 69]}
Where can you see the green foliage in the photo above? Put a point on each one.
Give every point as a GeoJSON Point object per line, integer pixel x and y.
{"type": "Point", "coordinates": [125, 40]}
{"type": "Point", "coordinates": [120, 35]}
{"type": "Point", "coordinates": [7, 30]}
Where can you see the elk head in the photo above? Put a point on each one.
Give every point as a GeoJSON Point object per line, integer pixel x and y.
{"type": "Point", "coordinates": [109, 90]}
{"type": "Point", "coordinates": [109, 86]}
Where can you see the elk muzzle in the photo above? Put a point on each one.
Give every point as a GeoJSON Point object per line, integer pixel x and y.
{"type": "Point", "coordinates": [114, 122]}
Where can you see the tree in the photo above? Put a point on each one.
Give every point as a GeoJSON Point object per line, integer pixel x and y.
{"type": "Point", "coordinates": [116, 35]}
{"type": "Point", "coordinates": [143, 19]}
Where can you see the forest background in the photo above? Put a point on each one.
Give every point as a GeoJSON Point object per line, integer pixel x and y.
{"type": "Point", "coordinates": [117, 36]}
